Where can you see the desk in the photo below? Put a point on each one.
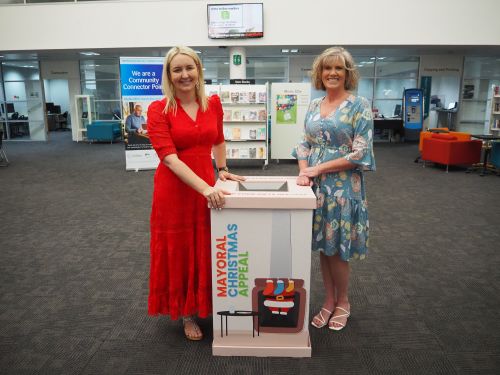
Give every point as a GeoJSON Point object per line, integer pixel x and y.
{"type": "Point", "coordinates": [486, 138]}
{"type": "Point", "coordinates": [253, 314]}
{"type": "Point", "coordinates": [392, 124]}
{"type": "Point", "coordinates": [449, 123]}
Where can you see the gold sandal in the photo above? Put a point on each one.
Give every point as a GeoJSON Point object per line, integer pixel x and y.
{"type": "Point", "coordinates": [190, 327]}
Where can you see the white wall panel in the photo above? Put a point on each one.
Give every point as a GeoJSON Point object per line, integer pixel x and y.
{"type": "Point", "coordinates": [321, 22]}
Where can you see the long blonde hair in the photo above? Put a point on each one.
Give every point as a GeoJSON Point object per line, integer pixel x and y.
{"type": "Point", "coordinates": [334, 53]}
{"type": "Point", "coordinates": [169, 89]}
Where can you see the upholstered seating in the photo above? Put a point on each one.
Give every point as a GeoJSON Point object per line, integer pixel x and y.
{"type": "Point", "coordinates": [104, 131]}
{"type": "Point", "coordinates": [448, 149]}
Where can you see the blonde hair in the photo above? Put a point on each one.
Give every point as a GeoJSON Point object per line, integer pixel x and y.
{"type": "Point", "coordinates": [168, 88]}
{"type": "Point", "coordinates": [333, 54]}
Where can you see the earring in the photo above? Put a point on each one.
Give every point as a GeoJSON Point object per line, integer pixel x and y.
{"type": "Point", "coordinates": [197, 85]}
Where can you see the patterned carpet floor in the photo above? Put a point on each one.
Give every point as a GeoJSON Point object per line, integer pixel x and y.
{"type": "Point", "coordinates": [74, 263]}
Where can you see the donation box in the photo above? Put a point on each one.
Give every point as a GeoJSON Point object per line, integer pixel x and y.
{"type": "Point", "coordinates": [261, 264]}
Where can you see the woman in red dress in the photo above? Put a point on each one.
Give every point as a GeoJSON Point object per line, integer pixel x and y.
{"type": "Point", "coordinates": [184, 128]}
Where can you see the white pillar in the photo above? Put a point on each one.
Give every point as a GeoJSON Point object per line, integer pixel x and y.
{"type": "Point", "coordinates": [237, 55]}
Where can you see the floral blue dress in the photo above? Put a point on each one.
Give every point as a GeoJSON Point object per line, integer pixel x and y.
{"type": "Point", "coordinates": [340, 221]}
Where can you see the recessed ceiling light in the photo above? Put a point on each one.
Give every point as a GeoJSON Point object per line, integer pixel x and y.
{"type": "Point", "coordinates": [198, 52]}
{"type": "Point", "coordinates": [380, 58]}
{"type": "Point", "coordinates": [226, 63]}
{"type": "Point", "coordinates": [90, 53]}
{"type": "Point", "coordinates": [372, 58]}
{"type": "Point", "coordinates": [294, 50]}
{"type": "Point", "coordinates": [285, 50]}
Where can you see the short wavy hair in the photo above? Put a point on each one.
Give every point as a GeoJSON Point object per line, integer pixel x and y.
{"type": "Point", "coordinates": [330, 55]}
{"type": "Point", "coordinates": [167, 86]}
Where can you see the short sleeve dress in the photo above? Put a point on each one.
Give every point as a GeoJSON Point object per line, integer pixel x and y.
{"type": "Point", "coordinates": [180, 272]}
{"type": "Point", "coordinates": [340, 221]}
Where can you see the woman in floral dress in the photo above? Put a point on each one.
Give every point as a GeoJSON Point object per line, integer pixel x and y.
{"type": "Point", "coordinates": [337, 147]}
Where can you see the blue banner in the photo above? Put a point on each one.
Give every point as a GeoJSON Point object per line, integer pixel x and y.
{"type": "Point", "coordinates": [141, 79]}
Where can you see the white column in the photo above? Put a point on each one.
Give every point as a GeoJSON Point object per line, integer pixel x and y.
{"type": "Point", "coordinates": [237, 71]}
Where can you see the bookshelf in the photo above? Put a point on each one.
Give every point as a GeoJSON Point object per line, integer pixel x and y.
{"type": "Point", "coordinates": [495, 110]}
{"type": "Point", "coordinates": [245, 121]}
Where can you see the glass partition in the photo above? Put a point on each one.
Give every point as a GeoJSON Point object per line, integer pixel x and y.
{"type": "Point", "coordinates": [480, 74]}
{"type": "Point", "coordinates": [100, 81]}
{"type": "Point", "coordinates": [22, 99]}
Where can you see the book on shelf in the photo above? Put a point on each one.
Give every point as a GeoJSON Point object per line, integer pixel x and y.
{"type": "Point", "coordinates": [252, 115]}
{"type": "Point", "coordinates": [260, 152]}
{"type": "Point", "coordinates": [235, 153]}
{"type": "Point", "coordinates": [262, 115]}
{"type": "Point", "coordinates": [252, 152]}
{"type": "Point", "coordinates": [235, 97]}
{"type": "Point", "coordinates": [227, 133]}
{"type": "Point", "coordinates": [236, 115]}
{"type": "Point", "coordinates": [261, 133]}
{"type": "Point", "coordinates": [225, 97]}
{"type": "Point", "coordinates": [252, 134]}
{"type": "Point", "coordinates": [228, 114]}
{"type": "Point", "coordinates": [252, 97]}
{"type": "Point", "coordinates": [244, 153]}
{"type": "Point", "coordinates": [243, 97]}
{"type": "Point", "coordinates": [262, 97]}
{"type": "Point", "coordinates": [236, 133]}
{"type": "Point", "coordinates": [244, 115]}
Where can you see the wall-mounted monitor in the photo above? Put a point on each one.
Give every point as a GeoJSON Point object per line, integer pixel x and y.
{"type": "Point", "coordinates": [238, 21]}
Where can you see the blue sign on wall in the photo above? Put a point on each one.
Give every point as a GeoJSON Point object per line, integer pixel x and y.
{"type": "Point", "coordinates": [141, 78]}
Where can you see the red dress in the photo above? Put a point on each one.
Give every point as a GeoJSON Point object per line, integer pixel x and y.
{"type": "Point", "coordinates": [180, 273]}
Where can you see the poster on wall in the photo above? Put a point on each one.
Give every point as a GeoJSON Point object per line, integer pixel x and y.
{"type": "Point", "coordinates": [140, 86]}
{"type": "Point", "coordinates": [286, 109]}
{"type": "Point", "coordinates": [289, 103]}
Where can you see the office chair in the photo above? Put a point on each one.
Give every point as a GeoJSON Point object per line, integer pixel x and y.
{"type": "Point", "coordinates": [62, 120]}
{"type": "Point", "coordinates": [4, 162]}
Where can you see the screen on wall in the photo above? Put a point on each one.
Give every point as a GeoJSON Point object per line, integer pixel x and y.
{"type": "Point", "coordinates": [235, 21]}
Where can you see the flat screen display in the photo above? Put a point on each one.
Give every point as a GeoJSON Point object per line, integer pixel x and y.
{"type": "Point", "coordinates": [237, 21]}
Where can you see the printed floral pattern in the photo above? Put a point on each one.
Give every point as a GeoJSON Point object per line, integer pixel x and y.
{"type": "Point", "coordinates": [340, 223]}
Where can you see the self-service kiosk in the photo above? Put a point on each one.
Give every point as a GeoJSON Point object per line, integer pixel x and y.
{"type": "Point", "coordinates": [413, 113]}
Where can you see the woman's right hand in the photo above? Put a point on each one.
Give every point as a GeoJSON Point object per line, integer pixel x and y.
{"type": "Point", "coordinates": [304, 181]}
{"type": "Point", "coordinates": [215, 197]}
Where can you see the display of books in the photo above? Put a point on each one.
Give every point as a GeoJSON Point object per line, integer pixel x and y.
{"type": "Point", "coordinates": [245, 115]}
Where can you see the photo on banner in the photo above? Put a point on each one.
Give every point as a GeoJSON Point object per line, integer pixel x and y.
{"type": "Point", "coordinates": [140, 86]}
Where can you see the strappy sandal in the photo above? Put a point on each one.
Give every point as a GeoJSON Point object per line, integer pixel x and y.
{"type": "Point", "coordinates": [192, 329]}
{"type": "Point", "coordinates": [334, 319]}
{"type": "Point", "coordinates": [319, 317]}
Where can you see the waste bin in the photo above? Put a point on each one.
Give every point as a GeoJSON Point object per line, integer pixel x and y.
{"type": "Point", "coordinates": [261, 261]}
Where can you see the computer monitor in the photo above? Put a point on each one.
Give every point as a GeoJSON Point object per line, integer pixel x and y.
{"type": "Point", "coordinates": [397, 110]}
{"type": "Point", "coordinates": [10, 107]}
{"type": "Point", "coordinates": [57, 109]}
{"type": "Point", "coordinates": [49, 107]}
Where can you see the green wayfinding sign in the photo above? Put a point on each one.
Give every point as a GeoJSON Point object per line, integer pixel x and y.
{"type": "Point", "coordinates": [237, 59]}
{"type": "Point", "coordinates": [224, 14]}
